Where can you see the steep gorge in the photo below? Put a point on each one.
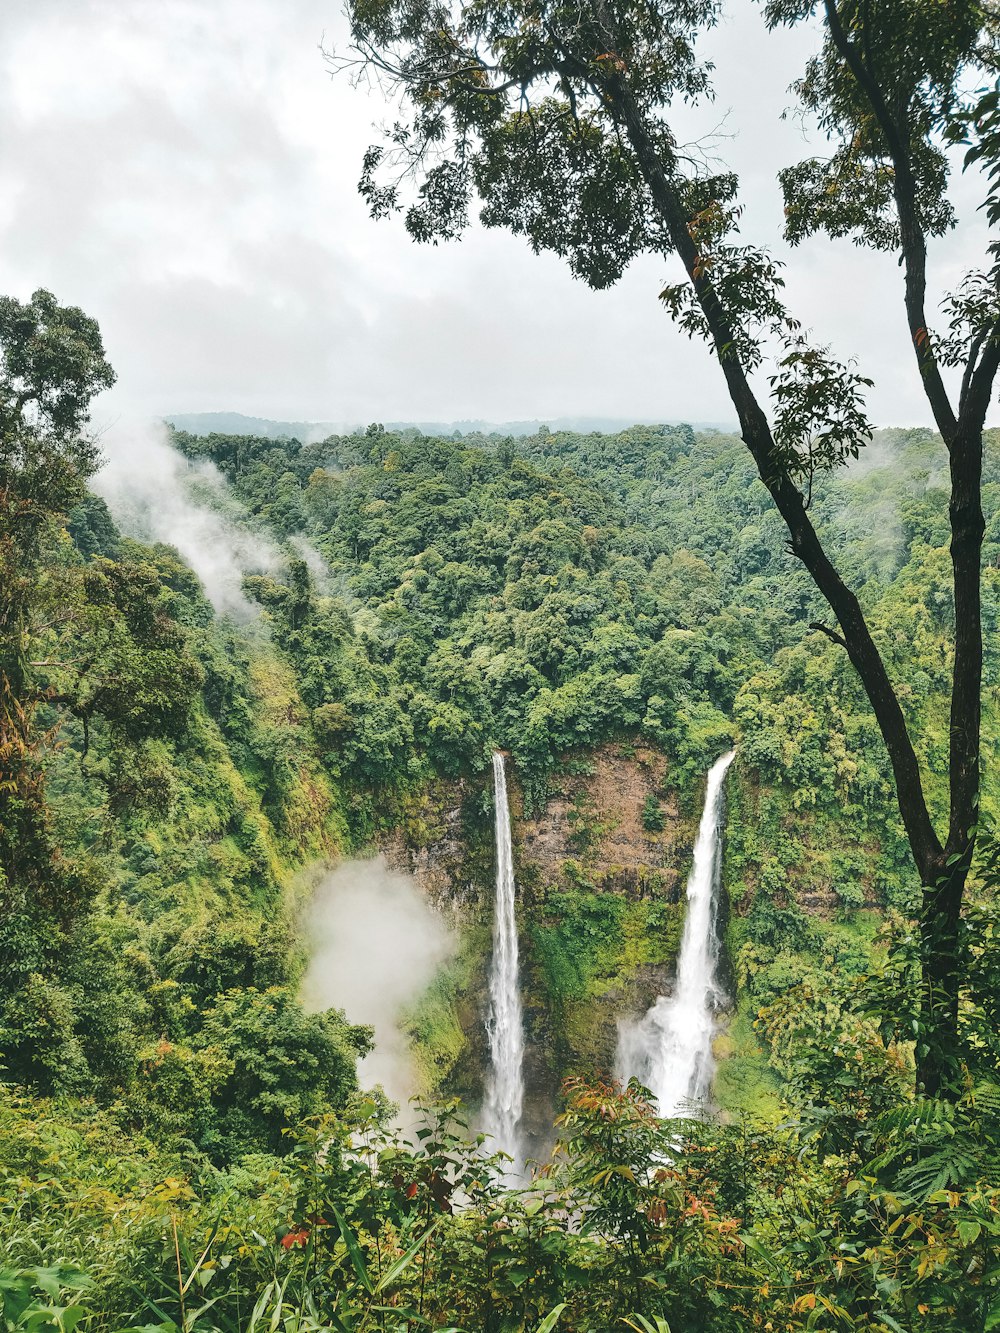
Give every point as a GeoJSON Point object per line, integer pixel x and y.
{"type": "Point", "coordinates": [616, 611]}
{"type": "Point", "coordinates": [601, 866]}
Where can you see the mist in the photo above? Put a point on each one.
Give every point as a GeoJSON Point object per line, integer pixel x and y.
{"type": "Point", "coordinates": [882, 478]}
{"type": "Point", "coordinates": [155, 494]}
{"type": "Point", "coordinates": [375, 945]}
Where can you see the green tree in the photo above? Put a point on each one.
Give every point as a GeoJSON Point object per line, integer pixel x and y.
{"type": "Point", "coordinates": [119, 654]}
{"type": "Point", "coordinates": [51, 365]}
{"type": "Point", "coordinates": [283, 1065]}
{"type": "Point", "coordinates": [557, 117]}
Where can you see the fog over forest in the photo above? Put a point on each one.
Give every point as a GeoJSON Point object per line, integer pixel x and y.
{"type": "Point", "coordinates": [499, 674]}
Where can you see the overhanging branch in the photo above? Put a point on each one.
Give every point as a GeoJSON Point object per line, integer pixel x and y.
{"type": "Point", "coordinates": [756, 431]}
{"type": "Point", "coordinates": [912, 240]}
{"type": "Point", "coordinates": [831, 634]}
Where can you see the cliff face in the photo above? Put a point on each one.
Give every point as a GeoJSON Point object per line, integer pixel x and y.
{"type": "Point", "coordinates": [600, 871]}
{"type": "Point", "coordinates": [613, 818]}
{"type": "Point", "coordinates": [430, 846]}
{"type": "Point", "coordinates": [596, 819]}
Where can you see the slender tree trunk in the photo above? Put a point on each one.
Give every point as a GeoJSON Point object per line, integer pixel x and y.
{"type": "Point", "coordinates": [940, 978]}
{"type": "Point", "coordinates": [967, 531]}
{"type": "Point", "coordinates": [943, 883]}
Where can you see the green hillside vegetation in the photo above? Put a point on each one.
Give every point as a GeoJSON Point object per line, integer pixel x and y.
{"type": "Point", "coordinates": [547, 594]}
{"type": "Point", "coordinates": [177, 1128]}
{"type": "Point", "coordinates": [180, 798]}
{"type": "Point", "coordinates": [528, 627]}
{"type": "Point", "coordinates": [157, 795]}
{"type": "Point", "coordinates": [186, 1145]}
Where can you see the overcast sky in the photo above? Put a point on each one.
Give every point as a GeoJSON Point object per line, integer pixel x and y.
{"type": "Point", "coordinates": [186, 171]}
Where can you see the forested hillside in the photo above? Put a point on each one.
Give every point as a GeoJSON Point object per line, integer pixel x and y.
{"type": "Point", "coordinates": [586, 603]}
{"type": "Point", "coordinates": [511, 595]}
{"type": "Point", "coordinates": [500, 879]}
{"type": "Point", "coordinates": [551, 594]}
{"type": "Point", "coordinates": [178, 798]}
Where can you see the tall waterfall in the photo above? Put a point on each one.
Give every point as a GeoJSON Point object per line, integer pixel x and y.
{"type": "Point", "coordinates": [670, 1049]}
{"type": "Point", "coordinates": [505, 1085]}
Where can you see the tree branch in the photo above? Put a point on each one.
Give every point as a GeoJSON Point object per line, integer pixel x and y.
{"type": "Point", "coordinates": [975, 348]}
{"type": "Point", "coordinates": [805, 541]}
{"type": "Point", "coordinates": [963, 438]}
{"type": "Point", "coordinates": [981, 380]}
{"type": "Point", "coordinates": [831, 634]}
{"type": "Point", "coordinates": [911, 236]}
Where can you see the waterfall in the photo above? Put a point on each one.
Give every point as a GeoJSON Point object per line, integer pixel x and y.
{"type": "Point", "coordinates": [670, 1049]}
{"type": "Point", "coordinates": [505, 1085]}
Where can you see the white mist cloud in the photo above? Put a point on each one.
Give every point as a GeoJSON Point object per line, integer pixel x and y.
{"type": "Point", "coordinates": [376, 945]}
{"type": "Point", "coordinates": [157, 495]}
{"type": "Point", "coordinates": [186, 172]}
{"type": "Point", "coordinates": [319, 570]}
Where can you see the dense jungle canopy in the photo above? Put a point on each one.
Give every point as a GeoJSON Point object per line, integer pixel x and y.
{"type": "Point", "coordinates": [550, 595]}
{"type": "Point", "coordinates": [188, 1142]}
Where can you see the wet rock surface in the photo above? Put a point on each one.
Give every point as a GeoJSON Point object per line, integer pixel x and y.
{"type": "Point", "coordinates": [590, 838]}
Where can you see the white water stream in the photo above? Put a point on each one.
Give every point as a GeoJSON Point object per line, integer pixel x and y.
{"type": "Point", "coordinates": [669, 1050]}
{"type": "Point", "coordinates": [505, 1084]}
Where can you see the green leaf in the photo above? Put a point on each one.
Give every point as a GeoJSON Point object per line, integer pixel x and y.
{"type": "Point", "coordinates": [551, 1319]}
{"type": "Point", "coordinates": [404, 1261]}
{"type": "Point", "coordinates": [354, 1250]}
{"type": "Point", "coordinates": [888, 1320]}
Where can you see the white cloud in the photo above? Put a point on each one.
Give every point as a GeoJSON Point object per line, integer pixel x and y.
{"type": "Point", "coordinates": [157, 495]}
{"type": "Point", "coordinates": [186, 171]}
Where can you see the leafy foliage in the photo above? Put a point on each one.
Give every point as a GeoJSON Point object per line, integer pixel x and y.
{"type": "Point", "coordinates": [175, 1124]}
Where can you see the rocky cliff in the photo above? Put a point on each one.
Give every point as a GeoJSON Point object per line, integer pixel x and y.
{"type": "Point", "coordinates": [600, 870]}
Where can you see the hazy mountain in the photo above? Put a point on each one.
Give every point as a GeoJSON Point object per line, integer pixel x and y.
{"type": "Point", "coordinates": [235, 423]}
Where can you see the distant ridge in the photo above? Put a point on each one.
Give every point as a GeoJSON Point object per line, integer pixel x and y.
{"type": "Point", "coordinates": [235, 423]}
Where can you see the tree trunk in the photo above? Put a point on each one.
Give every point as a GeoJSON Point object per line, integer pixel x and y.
{"type": "Point", "coordinates": [937, 1053]}
{"type": "Point", "coordinates": [943, 883]}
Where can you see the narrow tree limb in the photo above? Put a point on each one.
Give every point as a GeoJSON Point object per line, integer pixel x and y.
{"type": "Point", "coordinates": [831, 634]}
{"type": "Point", "coordinates": [970, 366]}
{"type": "Point", "coordinates": [912, 241]}
{"type": "Point", "coordinates": [981, 380]}
{"type": "Point", "coordinates": [967, 529]}
{"type": "Point", "coordinates": [963, 438]}
{"type": "Point", "coordinates": [756, 433]}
